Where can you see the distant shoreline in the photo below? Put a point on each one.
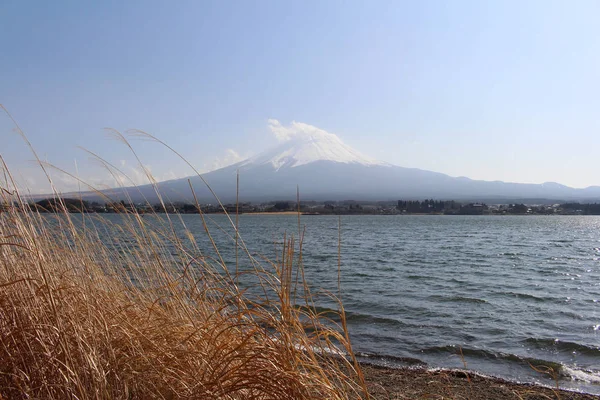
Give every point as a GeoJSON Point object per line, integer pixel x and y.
{"type": "Point", "coordinates": [391, 215]}
{"type": "Point", "coordinates": [349, 207]}
{"type": "Point", "coordinates": [270, 213]}
{"type": "Point", "coordinates": [309, 214]}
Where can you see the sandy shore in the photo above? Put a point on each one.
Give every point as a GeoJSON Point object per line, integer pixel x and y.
{"type": "Point", "coordinates": [404, 383]}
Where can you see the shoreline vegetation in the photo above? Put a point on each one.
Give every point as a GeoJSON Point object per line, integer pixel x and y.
{"type": "Point", "coordinates": [94, 309]}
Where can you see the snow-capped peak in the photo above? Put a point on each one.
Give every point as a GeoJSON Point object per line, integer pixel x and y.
{"type": "Point", "coordinates": [310, 145]}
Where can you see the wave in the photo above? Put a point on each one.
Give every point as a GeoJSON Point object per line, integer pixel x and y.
{"type": "Point", "coordinates": [373, 319]}
{"type": "Point", "coordinates": [352, 316]}
{"type": "Point", "coordinates": [420, 277]}
{"type": "Point", "coordinates": [568, 372]}
{"type": "Point", "coordinates": [361, 275]}
{"type": "Point", "coordinates": [489, 354]}
{"type": "Point", "coordinates": [376, 357]}
{"type": "Point", "coordinates": [559, 345]}
{"type": "Point", "coordinates": [453, 299]}
{"type": "Point", "coordinates": [582, 375]}
{"type": "Point", "coordinates": [526, 296]}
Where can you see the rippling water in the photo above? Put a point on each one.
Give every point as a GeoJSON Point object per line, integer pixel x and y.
{"type": "Point", "coordinates": [507, 291]}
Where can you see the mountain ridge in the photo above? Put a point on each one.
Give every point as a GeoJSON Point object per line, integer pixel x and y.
{"type": "Point", "coordinates": [323, 167]}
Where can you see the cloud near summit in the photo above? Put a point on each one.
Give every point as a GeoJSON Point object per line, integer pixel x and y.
{"type": "Point", "coordinates": [296, 130]}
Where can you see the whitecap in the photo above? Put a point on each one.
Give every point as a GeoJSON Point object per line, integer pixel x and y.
{"type": "Point", "coordinates": [582, 375]}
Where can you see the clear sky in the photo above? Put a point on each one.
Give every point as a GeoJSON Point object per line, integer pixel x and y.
{"type": "Point", "coordinates": [495, 90]}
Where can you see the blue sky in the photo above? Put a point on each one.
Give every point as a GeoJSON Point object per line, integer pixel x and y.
{"type": "Point", "coordinates": [495, 90]}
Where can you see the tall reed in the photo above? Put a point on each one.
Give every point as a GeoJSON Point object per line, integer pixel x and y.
{"type": "Point", "coordinates": [109, 308]}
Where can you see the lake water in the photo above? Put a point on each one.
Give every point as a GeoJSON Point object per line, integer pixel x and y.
{"type": "Point", "coordinates": [507, 291]}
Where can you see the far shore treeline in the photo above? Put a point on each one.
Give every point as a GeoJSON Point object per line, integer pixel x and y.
{"type": "Point", "coordinates": [347, 207]}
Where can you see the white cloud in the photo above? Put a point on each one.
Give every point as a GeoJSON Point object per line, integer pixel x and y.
{"type": "Point", "coordinates": [170, 175]}
{"type": "Point", "coordinates": [229, 158]}
{"type": "Point", "coordinates": [296, 130]}
{"type": "Point", "coordinates": [128, 175]}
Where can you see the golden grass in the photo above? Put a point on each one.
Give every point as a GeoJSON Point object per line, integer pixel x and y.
{"type": "Point", "coordinates": [92, 308]}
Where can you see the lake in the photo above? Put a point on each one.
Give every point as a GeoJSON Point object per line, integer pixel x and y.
{"type": "Point", "coordinates": [506, 291]}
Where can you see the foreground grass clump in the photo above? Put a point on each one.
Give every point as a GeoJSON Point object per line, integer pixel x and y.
{"type": "Point", "coordinates": [97, 309]}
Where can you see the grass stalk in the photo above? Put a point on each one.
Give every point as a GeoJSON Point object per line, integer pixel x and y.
{"type": "Point", "coordinates": [125, 308]}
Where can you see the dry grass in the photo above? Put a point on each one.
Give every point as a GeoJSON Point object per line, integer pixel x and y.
{"type": "Point", "coordinates": [96, 309]}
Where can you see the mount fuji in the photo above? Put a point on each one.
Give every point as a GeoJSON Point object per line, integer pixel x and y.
{"type": "Point", "coordinates": [323, 167]}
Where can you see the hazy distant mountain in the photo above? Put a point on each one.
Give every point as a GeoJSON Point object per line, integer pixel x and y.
{"type": "Point", "coordinates": [325, 168]}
